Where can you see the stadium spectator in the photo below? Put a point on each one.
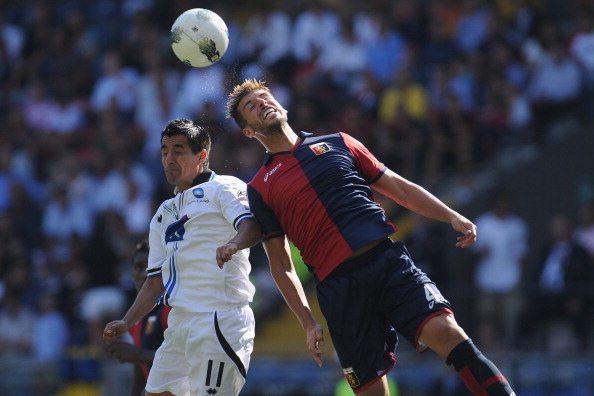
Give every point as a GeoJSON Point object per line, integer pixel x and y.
{"type": "Point", "coordinates": [501, 253]}
{"type": "Point", "coordinates": [584, 232]}
{"type": "Point", "coordinates": [317, 19]}
{"type": "Point", "coordinates": [116, 86]}
{"type": "Point", "coordinates": [555, 88]}
{"type": "Point", "coordinates": [18, 323]}
{"type": "Point", "coordinates": [558, 290]}
{"type": "Point", "coordinates": [51, 333]}
{"type": "Point", "coordinates": [266, 34]}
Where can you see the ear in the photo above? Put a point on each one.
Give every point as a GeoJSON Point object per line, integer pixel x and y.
{"type": "Point", "coordinates": [202, 156]}
{"type": "Point", "coordinates": [248, 132]}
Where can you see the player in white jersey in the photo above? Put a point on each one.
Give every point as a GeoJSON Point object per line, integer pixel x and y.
{"type": "Point", "coordinates": [198, 264]}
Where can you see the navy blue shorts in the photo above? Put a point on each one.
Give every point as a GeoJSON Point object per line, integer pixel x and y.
{"type": "Point", "coordinates": [370, 299]}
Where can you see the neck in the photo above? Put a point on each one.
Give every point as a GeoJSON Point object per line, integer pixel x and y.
{"type": "Point", "coordinates": [284, 140]}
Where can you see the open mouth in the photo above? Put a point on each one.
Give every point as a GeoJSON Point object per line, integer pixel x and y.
{"type": "Point", "coordinates": [268, 112]}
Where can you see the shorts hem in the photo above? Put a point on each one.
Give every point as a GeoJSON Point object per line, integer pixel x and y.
{"type": "Point", "coordinates": [423, 348]}
{"type": "Point", "coordinates": [373, 381]}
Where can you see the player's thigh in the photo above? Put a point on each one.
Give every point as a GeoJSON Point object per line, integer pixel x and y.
{"type": "Point", "coordinates": [362, 336]}
{"type": "Point", "coordinates": [169, 371]}
{"type": "Point", "coordinates": [410, 299]}
{"type": "Point", "coordinates": [219, 352]}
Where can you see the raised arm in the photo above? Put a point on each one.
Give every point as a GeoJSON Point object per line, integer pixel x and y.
{"type": "Point", "coordinates": [287, 281]}
{"type": "Point", "coordinates": [417, 199]}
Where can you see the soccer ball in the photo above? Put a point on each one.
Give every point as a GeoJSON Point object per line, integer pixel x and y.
{"type": "Point", "coordinates": [199, 37]}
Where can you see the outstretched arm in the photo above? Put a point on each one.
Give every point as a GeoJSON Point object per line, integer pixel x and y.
{"type": "Point", "coordinates": [287, 281]}
{"type": "Point", "coordinates": [142, 305]}
{"type": "Point", "coordinates": [416, 198]}
{"type": "Point", "coordinates": [248, 234]}
{"type": "Point", "coordinates": [130, 353]}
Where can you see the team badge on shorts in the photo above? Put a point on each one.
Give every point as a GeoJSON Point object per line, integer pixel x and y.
{"type": "Point", "coordinates": [320, 148]}
{"type": "Point", "coordinates": [351, 377]}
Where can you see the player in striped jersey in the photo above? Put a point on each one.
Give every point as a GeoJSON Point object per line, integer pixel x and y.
{"type": "Point", "coordinates": [318, 192]}
{"type": "Point", "coordinates": [147, 333]}
{"type": "Point", "coordinates": [198, 262]}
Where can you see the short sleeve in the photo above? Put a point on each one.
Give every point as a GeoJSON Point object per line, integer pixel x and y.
{"type": "Point", "coordinates": [157, 252]}
{"type": "Point", "coordinates": [369, 166]}
{"type": "Point", "coordinates": [264, 215]}
{"type": "Point", "coordinates": [234, 202]}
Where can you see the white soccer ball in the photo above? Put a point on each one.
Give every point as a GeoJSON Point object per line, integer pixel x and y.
{"type": "Point", "coordinates": [199, 37]}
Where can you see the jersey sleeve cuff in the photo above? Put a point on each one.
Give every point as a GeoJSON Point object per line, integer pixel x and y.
{"type": "Point", "coordinates": [241, 218]}
{"type": "Point", "coordinates": [378, 176]}
{"type": "Point", "coordinates": [152, 272]}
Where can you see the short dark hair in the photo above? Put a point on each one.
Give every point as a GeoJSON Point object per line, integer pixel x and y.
{"type": "Point", "coordinates": [141, 247]}
{"type": "Point", "coordinates": [197, 136]}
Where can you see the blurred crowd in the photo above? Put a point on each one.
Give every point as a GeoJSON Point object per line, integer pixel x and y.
{"type": "Point", "coordinates": [435, 88]}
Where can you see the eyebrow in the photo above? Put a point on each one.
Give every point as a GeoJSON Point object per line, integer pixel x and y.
{"type": "Point", "coordinates": [258, 95]}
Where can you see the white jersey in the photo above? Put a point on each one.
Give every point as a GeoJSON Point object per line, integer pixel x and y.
{"type": "Point", "coordinates": [184, 234]}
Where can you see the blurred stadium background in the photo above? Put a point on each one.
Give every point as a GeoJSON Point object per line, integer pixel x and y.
{"type": "Point", "coordinates": [466, 97]}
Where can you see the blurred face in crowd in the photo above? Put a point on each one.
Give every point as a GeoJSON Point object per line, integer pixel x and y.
{"type": "Point", "coordinates": [180, 164]}
{"type": "Point", "coordinates": [139, 265]}
{"type": "Point", "coordinates": [263, 114]}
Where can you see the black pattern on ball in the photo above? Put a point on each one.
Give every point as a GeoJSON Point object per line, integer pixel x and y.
{"type": "Point", "coordinates": [209, 48]}
{"type": "Point", "coordinates": [175, 35]}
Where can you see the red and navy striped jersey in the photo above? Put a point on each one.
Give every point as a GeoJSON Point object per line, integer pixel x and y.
{"type": "Point", "coordinates": [319, 196]}
{"type": "Point", "coordinates": [147, 333]}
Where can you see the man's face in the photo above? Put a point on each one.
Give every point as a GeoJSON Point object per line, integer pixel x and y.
{"type": "Point", "coordinates": [139, 266]}
{"type": "Point", "coordinates": [262, 112]}
{"type": "Point", "coordinates": [179, 163]}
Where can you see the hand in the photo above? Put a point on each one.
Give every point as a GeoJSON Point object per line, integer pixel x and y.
{"type": "Point", "coordinates": [225, 252]}
{"type": "Point", "coordinates": [468, 230]}
{"type": "Point", "coordinates": [127, 353]}
{"type": "Point", "coordinates": [113, 330]}
{"type": "Point", "coordinates": [315, 342]}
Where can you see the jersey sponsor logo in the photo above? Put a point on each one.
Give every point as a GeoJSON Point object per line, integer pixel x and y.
{"type": "Point", "coordinates": [175, 231]}
{"type": "Point", "coordinates": [271, 172]}
{"type": "Point", "coordinates": [351, 377]}
{"type": "Point", "coordinates": [432, 295]}
{"type": "Point", "coordinates": [320, 148]}
{"type": "Point", "coordinates": [198, 192]}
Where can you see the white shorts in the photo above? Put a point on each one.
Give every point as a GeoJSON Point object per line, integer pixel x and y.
{"type": "Point", "coordinates": [204, 353]}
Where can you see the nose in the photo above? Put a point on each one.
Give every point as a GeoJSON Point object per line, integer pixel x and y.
{"type": "Point", "coordinates": [168, 158]}
{"type": "Point", "coordinates": [261, 102]}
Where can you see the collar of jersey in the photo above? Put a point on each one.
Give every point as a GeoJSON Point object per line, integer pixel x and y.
{"type": "Point", "coordinates": [205, 176]}
{"type": "Point", "coordinates": [302, 136]}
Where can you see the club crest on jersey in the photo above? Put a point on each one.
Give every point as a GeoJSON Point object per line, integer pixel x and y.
{"type": "Point", "coordinates": [175, 231]}
{"type": "Point", "coordinates": [351, 377]}
{"type": "Point", "coordinates": [320, 148]}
